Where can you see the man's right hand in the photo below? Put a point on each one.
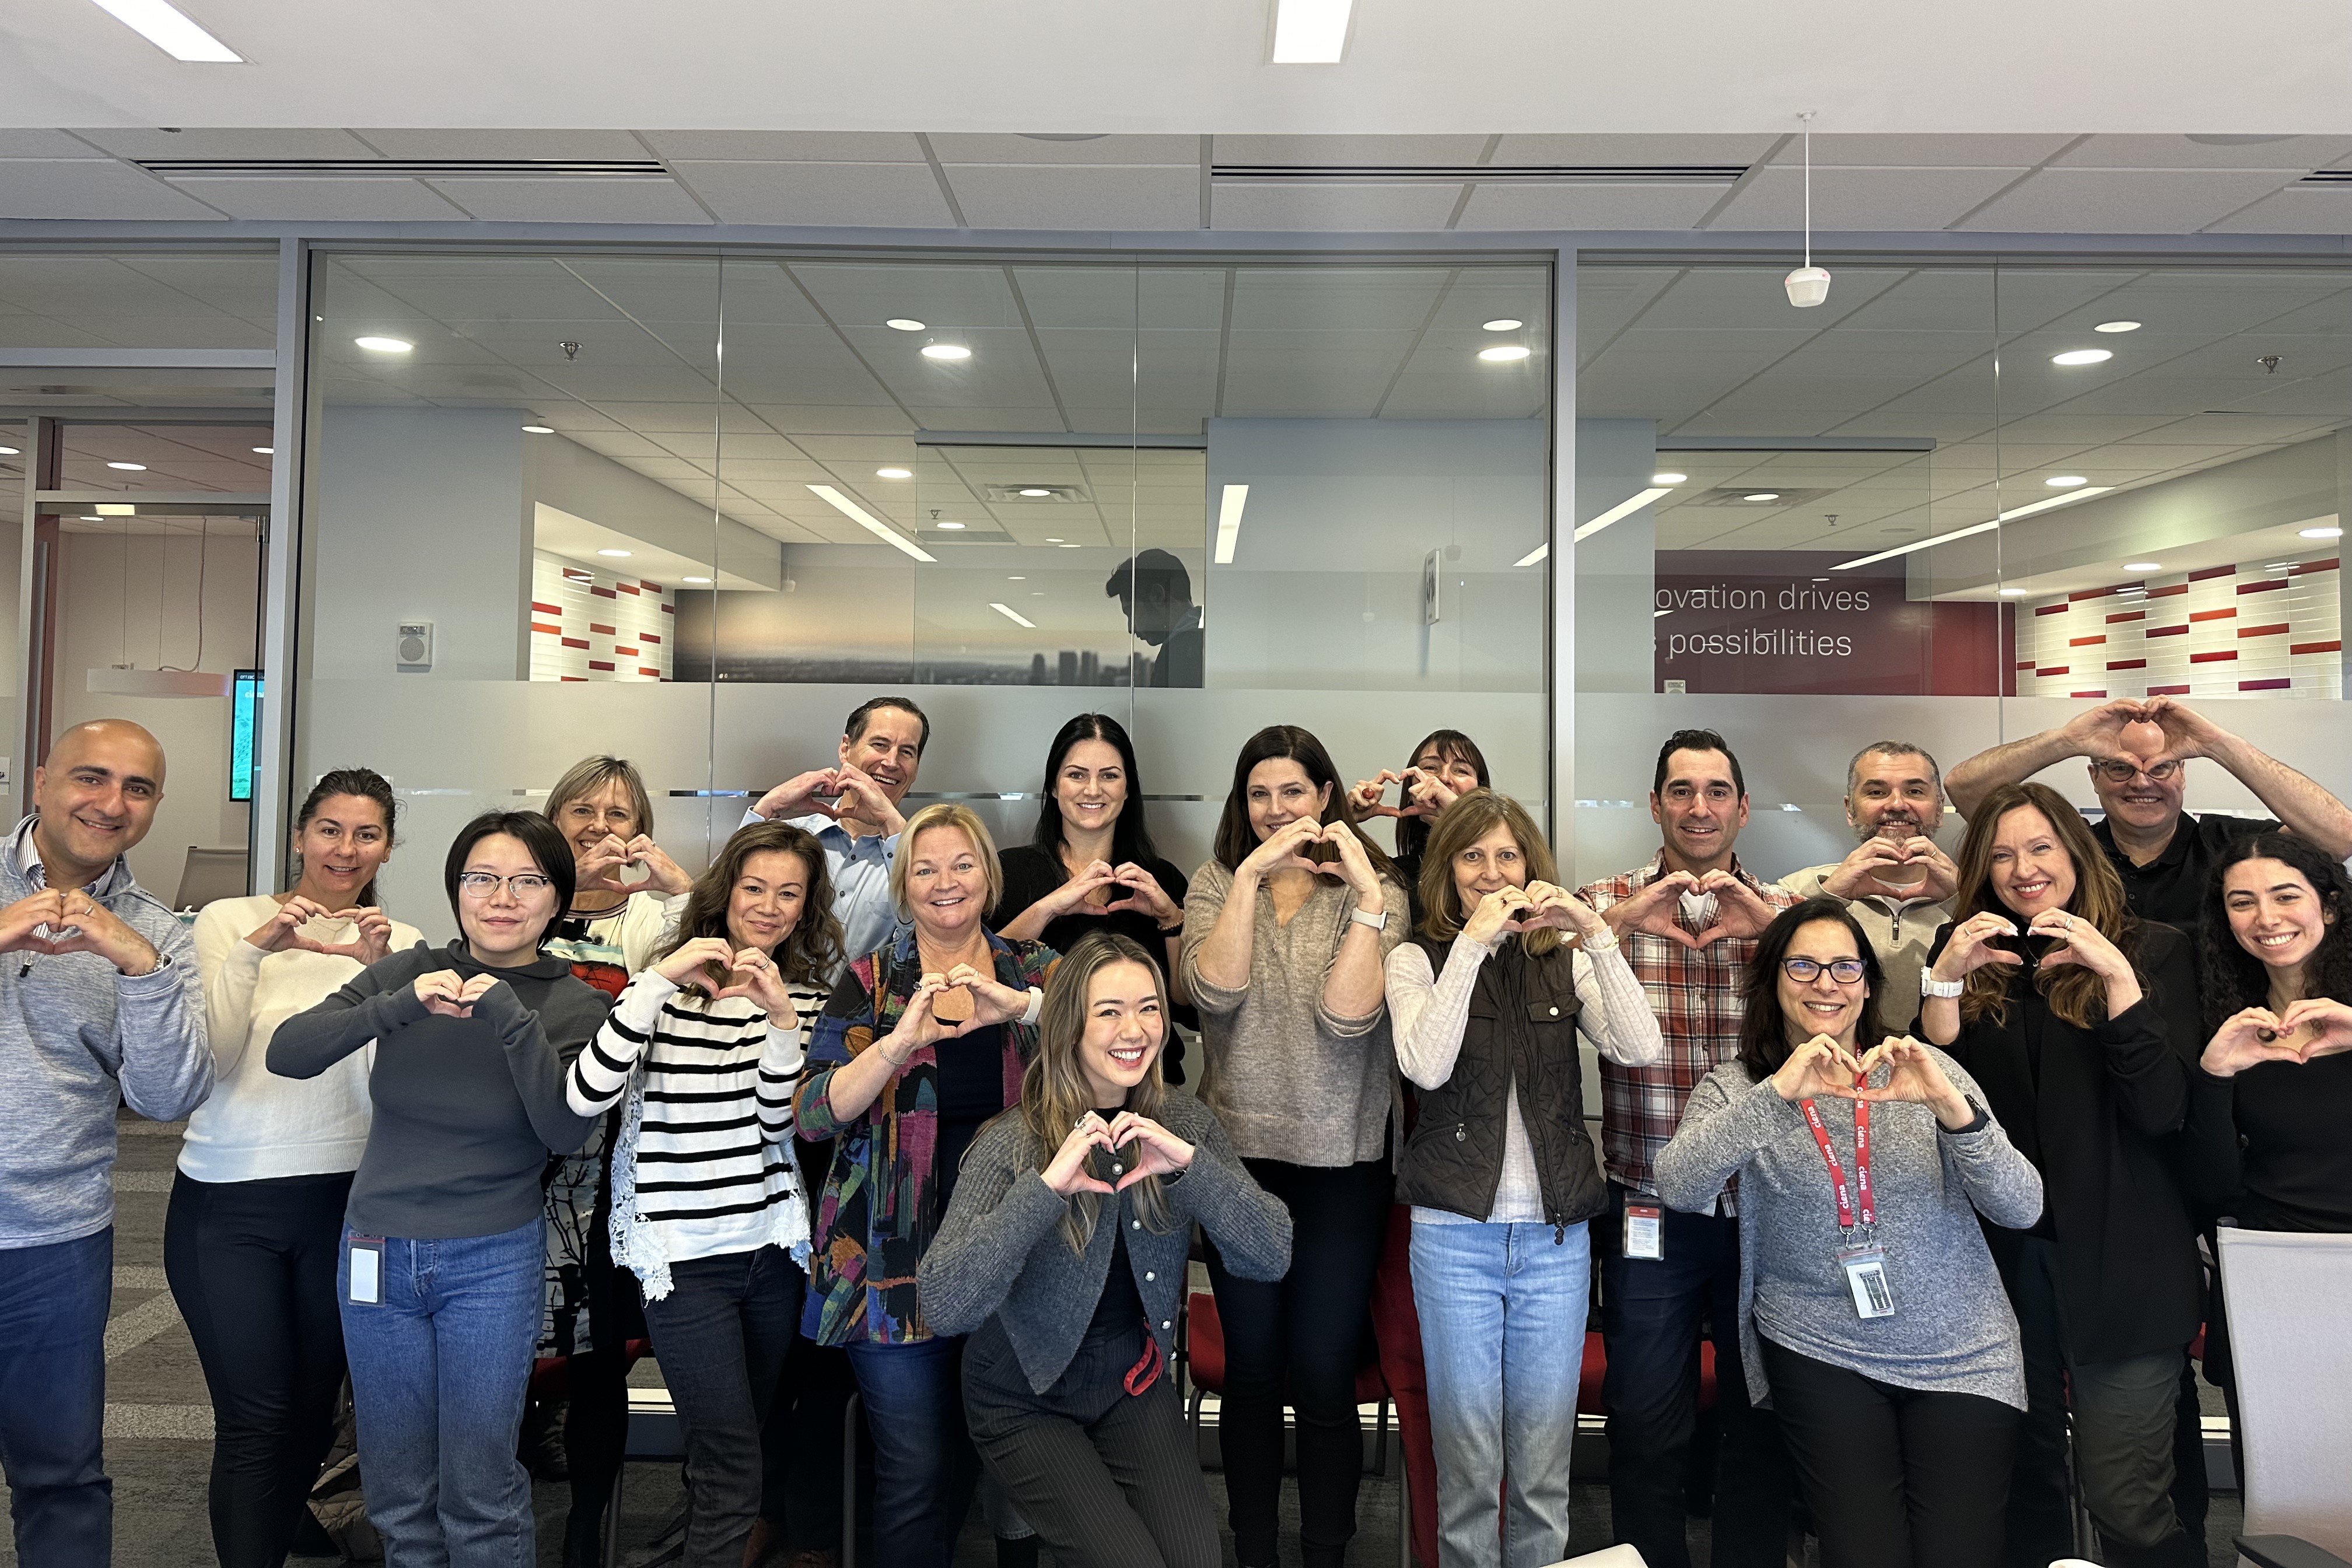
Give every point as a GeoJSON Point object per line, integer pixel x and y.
{"type": "Point", "coordinates": [21, 920]}
{"type": "Point", "coordinates": [802, 795]}
{"type": "Point", "coordinates": [2097, 732]}
{"type": "Point", "coordinates": [1654, 910]}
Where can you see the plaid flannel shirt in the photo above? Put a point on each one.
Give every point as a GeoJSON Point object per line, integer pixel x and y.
{"type": "Point", "coordinates": [1697, 998]}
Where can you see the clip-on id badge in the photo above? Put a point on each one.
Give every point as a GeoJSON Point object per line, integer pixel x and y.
{"type": "Point", "coordinates": [1866, 1276]}
{"type": "Point", "coordinates": [1645, 1231]}
{"type": "Point", "coordinates": [367, 1270]}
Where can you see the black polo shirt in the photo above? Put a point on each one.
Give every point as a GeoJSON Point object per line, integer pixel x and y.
{"type": "Point", "coordinates": [2171, 888]}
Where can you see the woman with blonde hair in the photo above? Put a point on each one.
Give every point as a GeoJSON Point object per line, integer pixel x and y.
{"type": "Point", "coordinates": [1486, 1003]}
{"type": "Point", "coordinates": [2082, 1025]}
{"type": "Point", "coordinates": [921, 1043]}
{"type": "Point", "coordinates": [1064, 1255]}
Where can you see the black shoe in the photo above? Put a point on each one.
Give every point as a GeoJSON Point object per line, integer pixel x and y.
{"type": "Point", "coordinates": [540, 1445]}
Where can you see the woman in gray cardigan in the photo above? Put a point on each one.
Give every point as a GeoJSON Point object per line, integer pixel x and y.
{"type": "Point", "coordinates": [1063, 1256]}
{"type": "Point", "coordinates": [1872, 1319]}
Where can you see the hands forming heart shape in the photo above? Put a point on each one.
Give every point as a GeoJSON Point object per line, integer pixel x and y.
{"type": "Point", "coordinates": [443, 993]}
{"type": "Point", "coordinates": [1725, 907]}
{"type": "Point", "coordinates": [2307, 1030]}
{"type": "Point", "coordinates": [1422, 793]}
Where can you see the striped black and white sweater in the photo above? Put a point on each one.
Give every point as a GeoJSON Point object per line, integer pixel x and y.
{"type": "Point", "coordinates": [704, 1163]}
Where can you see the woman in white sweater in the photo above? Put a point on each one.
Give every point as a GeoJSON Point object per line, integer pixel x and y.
{"type": "Point", "coordinates": [257, 1210]}
{"type": "Point", "coordinates": [705, 1047]}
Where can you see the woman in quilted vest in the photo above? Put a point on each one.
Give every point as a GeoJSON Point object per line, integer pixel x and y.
{"type": "Point", "coordinates": [1486, 1002]}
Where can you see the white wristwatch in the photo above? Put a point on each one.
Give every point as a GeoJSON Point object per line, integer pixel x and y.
{"type": "Point", "coordinates": [1378, 923]}
{"type": "Point", "coordinates": [1931, 986]}
{"type": "Point", "coordinates": [1036, 1005]}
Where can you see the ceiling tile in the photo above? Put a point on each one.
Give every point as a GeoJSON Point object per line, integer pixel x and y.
{"type": "Point", "coordinates": [206, 142]}
{"type": "Point", "coordinates": [87, 188]}
{"type": "Point", "coordinates": [1344, 150]}
{"type": "Point", "coordinates": [358, 201]}
{"type": "Point", "coordinates": [573, 201]}
{"type": "Point", "coordinates": [1921, 151]}
{"type": "Point", "coordinates": [1861, 199]}
{"type": "Point", "coordinates": [2298, 209]}
{"type": "Point", "coordinates": [1335, 207]}
{"type": "Point", "coordinates": [966, 147]}
{"type": "Point", "coordinates": [818, 194]}
{"type": "Point", "coordinates": [500, 144]}
{"type": "Point", "coordinates": [2124, 201]}
{"type": "Point", "coordinates": [2301, 154]}
{"type": "Point", "coordinates": [1620, 151]}
{"type": "Point", "coordinates": [1007, 196]}
{"type": "Point", "coordinates": [1514, 206]}
{"type": "Point", "coordinates": [788, 146]}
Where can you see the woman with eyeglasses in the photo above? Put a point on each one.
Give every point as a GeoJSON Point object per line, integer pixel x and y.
{"type": "Point", "coordinates": [439, 1284]}
{"type": "Point", "coordinates": [1872, 1316]}
{"type": "Point", "coordinates": [1445, 766]}
{"type": "Point", "coordinates": [2081, 1022]}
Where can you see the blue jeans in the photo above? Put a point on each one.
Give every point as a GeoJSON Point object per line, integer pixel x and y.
{"type": "Point", "coordinates": [439, 1368]}
{"type": "Point", "coordinates": [1502, 1337]}
{"type": "Point", "coordinates": [924, 1464]}
{"type": "Point", "coordinates": [53, 1307]}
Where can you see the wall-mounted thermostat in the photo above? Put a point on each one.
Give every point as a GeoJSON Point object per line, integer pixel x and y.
{"type": "Point", "coordinates": [413, 647]}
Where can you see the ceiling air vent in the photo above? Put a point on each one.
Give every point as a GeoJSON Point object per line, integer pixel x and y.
{"type": "Point", "coordinates": [1034, 495]}
{"type": "Point", "coordinates": [403, 168]}
{"type": "Point", "coordinates": [1487, 173]}
{"type": "Point", "coordinates": [2328, 177]}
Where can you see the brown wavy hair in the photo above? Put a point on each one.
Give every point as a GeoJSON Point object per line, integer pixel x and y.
{"type": "Point", "coordinates": [810, 952]}
{"type": "Point", "coordinates": [1470, 818]}
{"type": "Point", "coordinates": [2074, 993]}
{"type": "Point", "coordinates": [1236, 839]}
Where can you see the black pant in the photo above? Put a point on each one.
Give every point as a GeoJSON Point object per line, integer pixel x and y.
{"type": "Point", "coordinates": [801, 1446]}
{"type": "Point", "coordinates": [722, 1333]}
{"type": "Point", "coordinates": [1107, 1479]}
{"type": "Point", "coordinates": [1895, 1478]}
{"type": "Point", "coordinates": [1651, 1312]}
{"type": "Point", "coordinates": [1299, 1339]}
{"type": "Point", "coordinates": [596, 1415]}
{"type": "Point", "coordinates": [252, 1268]}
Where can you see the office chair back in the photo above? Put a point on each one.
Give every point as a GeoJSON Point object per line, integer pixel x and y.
{"type": "Point", "coordinates": [210, 874]}
{"type": "Point", "coordinates": [2289, 1298]}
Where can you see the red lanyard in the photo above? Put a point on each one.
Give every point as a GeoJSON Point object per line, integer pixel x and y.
{"type": "Point", "coordinates": [1845, 1211]}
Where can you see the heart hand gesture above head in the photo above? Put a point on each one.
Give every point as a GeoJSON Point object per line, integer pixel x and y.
{"type": "Point", "coordinates": [1820, 1066]}
{"type": "Point", "coordinates": [2097, 732]}
{"type": "Point", "coordinates": [2187, 732]}
{"type": "Point", "coordinates": [1366, 797]}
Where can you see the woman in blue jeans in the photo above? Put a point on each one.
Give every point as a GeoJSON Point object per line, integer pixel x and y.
{"type": "Point", "coordinates": [1486, 1003]}
{"type": "Point", "coordinates": [439, 1281]}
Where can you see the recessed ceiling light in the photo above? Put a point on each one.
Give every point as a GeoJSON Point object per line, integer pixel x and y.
{"type": "Point", "coordinates": [950, 527]}
{"type": "Point", "coordinates": [1503, 354]}
{"type": "Point", "coordinates": [2116, 327]}
{"type": "Point", "coordinates": [872, 524]}
{"type": "Point", "coordinates": [2143, 565]}
{"type": "Point", "coordinates": [1036, 492]}
{"type": "Point", "coordinates": [539, 429]}
{"type": "Point", "coordinates": [2013, 593]}
{"type": "Point", "coordinates": [116, 509]}
{"type": "Point", "coordinates": [1762, 495]}
{"type": "Point", "coordinates": [2319, 533]}
{"type": "Point", "coordinates": [2083, 356]}
{"type": "Point", "coordinates": [1670, 479]}
{"type": "Point", "coordinates": [1504, 324]}
{"type": "Point", "coordinates": [1052, 542]}
{"type": "Point", "coordinates": [1310, 32]}
{"type": "Point", "coordinates": [130, 468]}
{"type": "Point", "coordinates": [615, 554]}
{"type": "Point", "coordinates": [265, 451]}
{"type": "Point", "coordinates": [384, 345]}
{"type": "Point", "coordinates": [1069, 547]}
{"type": "Point", "coordinates": [165, 26]}
{"type": "Point", "coordinates": [905, 323]}
{"type": "Point", "coordinates": [2066, 481]}
{"type": "Point", "coordinates": [694, 579]}
{"type": "Point", "coordinates": [894, 473]}
{"type": "Point", "coordinates": [1010, 614]}
{"type": "Point", "coordinates": [1016, 579]}
{"type": "Point", "coordinates": [946, 350]}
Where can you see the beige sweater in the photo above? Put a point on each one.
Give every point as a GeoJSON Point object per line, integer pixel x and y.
{"type": "Point", "coordinates": [1290, 1079]}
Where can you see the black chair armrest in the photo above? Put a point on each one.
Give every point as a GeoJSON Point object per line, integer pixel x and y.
{"type": "Point", "coordinates": [2287, 1552]}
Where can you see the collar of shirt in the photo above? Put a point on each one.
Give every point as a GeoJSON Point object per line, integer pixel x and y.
{"type": "Point", "coordinates": [1656, 869]}
{"type": "Point", "coordinates": [2176, 848]}
{"type": "Point", "coordinates": [28, 862]}
{"type": "Point", "coordinates": [836, 838]}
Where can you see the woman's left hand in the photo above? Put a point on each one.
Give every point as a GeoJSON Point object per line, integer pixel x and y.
{"type": "Point", "coordinates": [752, 973]}
{"type": "Point", "coordinates": [1156, 1152]}
{"type": "Point", "coordinates": [1144, 895]}
{"type": "Point", "coordinates": [1555, 905]}
{"type": "Point", "coordinates": [1913, 1076]}
{"type": "Point", "coordinates": [991, 1001]}
{"type": "Point", "coordinates": [1425, 794]}
{"type": "Point", "coordinates": [2078, 942]}
{"type": "Point", "coordinates": [663, 875]}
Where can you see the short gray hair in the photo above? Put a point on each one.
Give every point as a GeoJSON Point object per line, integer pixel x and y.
{"type": "Point", "coordinates": [1893, 749]}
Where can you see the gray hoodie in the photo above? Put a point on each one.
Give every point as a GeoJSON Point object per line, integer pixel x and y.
{"type": "Point", "coordinates": [78, 1037]}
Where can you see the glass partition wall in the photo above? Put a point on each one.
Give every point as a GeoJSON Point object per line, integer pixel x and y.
{"type": "Point", "coordinates": [692, 509]}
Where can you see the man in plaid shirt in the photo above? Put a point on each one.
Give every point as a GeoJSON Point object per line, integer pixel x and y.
{"type": "Point", "coordinates": [1688, 921]}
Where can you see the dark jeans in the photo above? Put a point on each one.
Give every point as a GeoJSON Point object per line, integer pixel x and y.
{"type": "Point", "coordinates": [1895, 1478]}
{"type": "Point", "coordinates": [252, 1267]}
{"type": "Point", "coordinates": [596, 1400]}
{"type": "Point", "coordinates": [1299, 1339]}
{"type": "Point", "coordinates": [1107, 1478]}
{"type": "Point", "coordinates": [53, 1307]}
{"type": "Point", "coordinates": [1651, 1314]}
{"type": "Point", "coordinates": [722, 1333]}
{"type": "Point", "coordinates": [924, 1467]}
{"type": "Point", "coordinates": [801, 1446]}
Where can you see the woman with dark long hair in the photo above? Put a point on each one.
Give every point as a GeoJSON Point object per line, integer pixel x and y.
{"type": "Point", "coordinates": [1445, 766]}
{"type": "Point", "coordinates": [1092, 866]}
{"type": "Point", "coordinates": [1063, 1258]}
{"type": "Point", "coordinates": [1287, 928]}
{"type": "Point", "coordinates": [1871, 1317]}
{"type": "Point", "coordinates": [2081, 1022]}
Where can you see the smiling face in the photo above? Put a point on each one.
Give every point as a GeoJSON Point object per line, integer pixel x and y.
{"type": "Point", "coordinates": [2143, 803]}
{"type": "Point", "coordinates": [1701, 810]}
{"type": "Point", "coordinates": [1280, 793]}
{"type": "Point", "coordinates": [1124, 1031]}
{"type": "Point", "coordinates": [767, 899]}
{"type": "Point", "coordinates": [2031, 870]}
{"type": "Point", "coordinates": [2274, 913]}
{"type": "Point", "coordinates": [1823, 1005]}
{"type": "Point", "coordinates": [946, 887]}
{"type": "Point", "coordinates": [1090, 787]}
{"type": "Point", "coordinates": [96, 796]}
{"type": "Point", "coordinates": [342, 847]}
{"type": "Point", "coordinates": [1456, 772]}
{"type": "Point", "coordinates": [503, 928]}
{"type": "Point", "coordinates": [1495, 862]}
{"type": "Point", "coordinates": [887, 750]}
{"type": "Point", "coordinates": [609, 808]}
{"type": "Point", "coordinates": [1895, 795]}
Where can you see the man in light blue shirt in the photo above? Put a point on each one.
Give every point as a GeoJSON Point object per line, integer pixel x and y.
{"type": "Point", "coordinates": [852, 810]}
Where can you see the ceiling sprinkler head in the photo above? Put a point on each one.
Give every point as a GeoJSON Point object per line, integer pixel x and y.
{"type": "Point", "coordinates": [570, 350]}
{"type": "Point", "coordinates": [2270, 363]}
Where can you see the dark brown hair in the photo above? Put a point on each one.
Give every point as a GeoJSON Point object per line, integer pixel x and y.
{"type": "Point", "coordinates": [1236, 839]}
{"type": "Point", "coordinates": [367, 785]}
{"type": "Point", "coordinates": [1412, 832]}
{"type": "Point", "coordinates": [1763, 1030]}
{"type": "Point", "coordinates": [810, 952]}
{"type": "Point", "coordinates": [1470, 818]}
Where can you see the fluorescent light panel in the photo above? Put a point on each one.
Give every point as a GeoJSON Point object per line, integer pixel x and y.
{"type": "Point", "coordinates": [1229, 523]}
{"type": "Point", "coordinates": [1623, 509]}
{"type": "Point", "coordinates": [1010, 614]}
{"type": "Point", "coordinates": [167, 28]}
{"type": "Point", "coordinates": [1310, 32]}
{"type": "Point", "coordinates": [2011, 515]}
{"type": "Point", "coordinates": [871, 524]}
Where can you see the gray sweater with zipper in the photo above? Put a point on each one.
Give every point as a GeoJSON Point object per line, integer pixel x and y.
{"type": "Point", "coordinates": [78, 1037]}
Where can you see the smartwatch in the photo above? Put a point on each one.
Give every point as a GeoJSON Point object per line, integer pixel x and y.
{"type": "Point", "coordinates": [1931, 986]}
{"type": "Point", "coordinates": [1378, 923]}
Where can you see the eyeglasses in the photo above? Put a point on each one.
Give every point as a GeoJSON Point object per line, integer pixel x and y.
{"type": "Point", "coordinates": [1805, 971]}
{"type": "Point", "coordinates": [522, 884]}
{"type": "Point", "coordinates": [2116, 771]}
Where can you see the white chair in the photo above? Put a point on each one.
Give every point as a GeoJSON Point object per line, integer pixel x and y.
{"type": "Point", "coordinates": [210, 874]}
{"type": "Point", "coordinates": [1607, 1557]}
{"type": "Point", "coordinates": [2289, 1298]}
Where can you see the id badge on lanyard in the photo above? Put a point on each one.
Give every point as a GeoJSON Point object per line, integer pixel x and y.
{"type": "Point", "coordinates": [1862, 1260]}
{"type": "Point", "coordinates": [367, 1270]}
{"type": "Point", "coordinates": [1645, 1231]}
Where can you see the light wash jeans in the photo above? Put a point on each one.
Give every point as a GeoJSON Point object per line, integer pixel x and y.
{"type": "Point", "coordinates": [1502, 1336]}
{"type": "Point", "coordinates": [439, 1368]}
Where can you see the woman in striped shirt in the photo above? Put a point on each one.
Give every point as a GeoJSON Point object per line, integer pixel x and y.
{"type": "Point", "coordinates": [706, 1208]}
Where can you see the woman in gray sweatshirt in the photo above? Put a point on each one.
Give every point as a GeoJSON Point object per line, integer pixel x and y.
{"type": "Point", "coordinates": [1873, 1319]}
{"type": "Point", "coordinates": [1063, 1256]}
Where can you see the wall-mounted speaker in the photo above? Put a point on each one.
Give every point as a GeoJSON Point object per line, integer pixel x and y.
{"type": "Point", "coordinates": [413, 647]}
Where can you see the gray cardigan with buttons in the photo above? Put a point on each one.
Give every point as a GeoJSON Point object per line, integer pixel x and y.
{"type": "Point", "coordinates": [1001, 1252]}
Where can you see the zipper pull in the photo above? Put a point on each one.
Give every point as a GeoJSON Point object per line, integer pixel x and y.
{"type": "Point", "coordinates": [1558, 1235]}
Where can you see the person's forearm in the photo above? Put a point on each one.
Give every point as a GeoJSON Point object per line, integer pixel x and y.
{"type": "Point", "coordinates": [1618, 1016]}
{"type": "Point", "coordinates": [2309, 810]}
{"type": "Point", "coordinates": [2014, 763]}
{"type": "Point", "coordinates": [230, 980]}
{"type": "Point", "coordinates": [857, 1083]}
{"type": "Point", "coordinates": [1180, 994]}
{"type": "Point", "coordinates": [1940, 1019]}
{"type": "Point", "coordinates": [1356, 988]}
{"type": "Point", "coordinates": [166, 1066]}
{"type": "Point", "coordinates": [1223, 957]}
{"type": "Point", "coordinates": [1427, 1017]}
{"type": "Point", "coordinates": [2123, 993]}
{"type": "Point", "coordinates": [1029, 925]}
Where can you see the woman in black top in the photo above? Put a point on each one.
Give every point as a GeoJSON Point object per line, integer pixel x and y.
{"type": "Point", "coordinates": [1092, 867]}
{"type": "Point", "coordinates": [1445, 766]}
{"type": "Point", "coordinates": [2080, 1023]}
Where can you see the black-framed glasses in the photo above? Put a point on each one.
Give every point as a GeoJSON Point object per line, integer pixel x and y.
{"type": "Point", "coordinates": [1805, 971]}
{"type": "Point", "coordinates": [2115, 771]}
{"type": "Point", "coordinates": [522, 884]}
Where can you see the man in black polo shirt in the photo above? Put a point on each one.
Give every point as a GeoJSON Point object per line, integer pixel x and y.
{"type": "Point", "coordinates": [2165, 856]}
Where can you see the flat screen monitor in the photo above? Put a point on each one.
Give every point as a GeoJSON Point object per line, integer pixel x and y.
{"type": "Point", "coordinates": [245, 713]}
